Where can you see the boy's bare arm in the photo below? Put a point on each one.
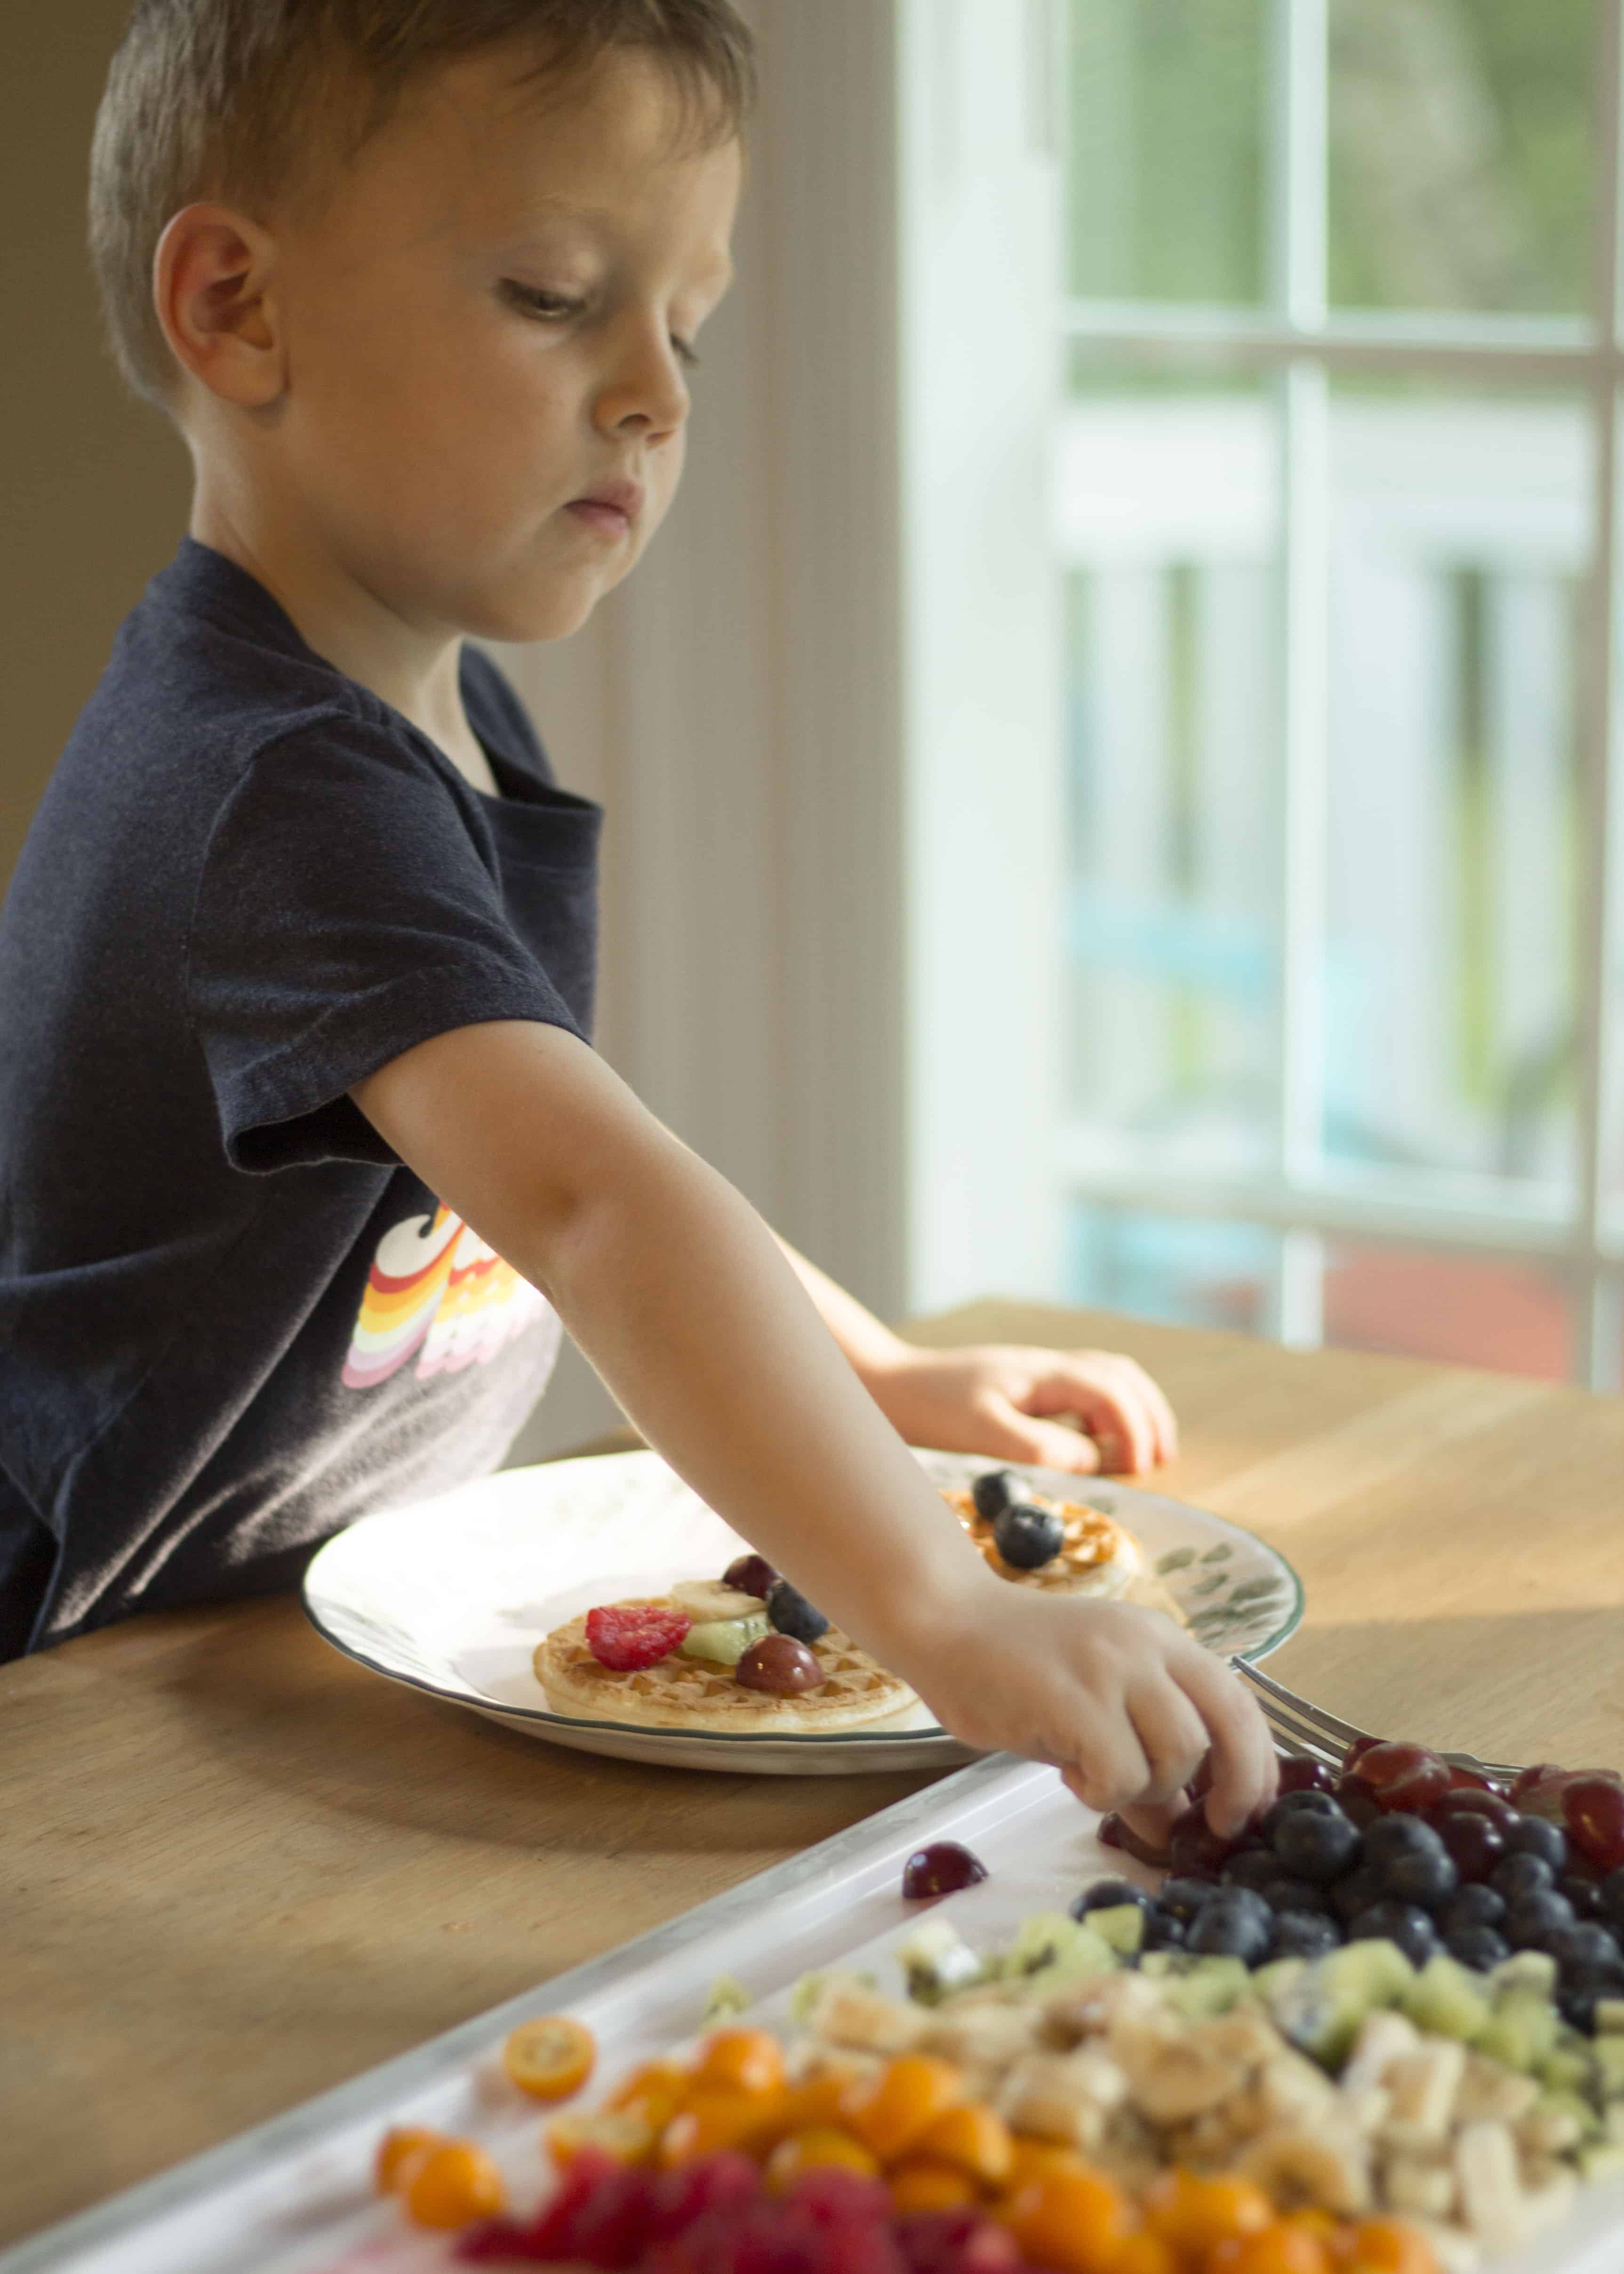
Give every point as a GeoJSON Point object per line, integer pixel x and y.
{"type": "Point", "coordinates": [681, 1299]}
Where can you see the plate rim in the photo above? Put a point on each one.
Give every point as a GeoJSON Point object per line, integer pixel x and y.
{"type": "Point", "coordinates": [747, 1740]}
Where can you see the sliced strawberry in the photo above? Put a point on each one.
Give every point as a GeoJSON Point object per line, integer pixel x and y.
{"type": "Point", "coordinates": [626, 1636]}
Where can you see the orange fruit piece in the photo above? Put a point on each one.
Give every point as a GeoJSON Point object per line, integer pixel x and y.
{"type": "Point", "coordinates": [1386, 2246]}
{"type": "Point", "coordinates": [550, 2058]}
{"type": "Point", "coordinates": [918, 2184]}
{"type": "Point", "coordinates": [649, 2081]}
{"type": "Point", "coordinates": [1029, 2160]}
{"type": "Point", "coordinates": [453, 2185]}
{"type": "Point", "coordinates": [625, 2134]}
{"type": "Point", "coordinates": [1284, 2247]}
{"type": "Point", "coordinates": [971, 2137]}
{"type": "Point", "coordinates": [1075, 2221]}
{"type": "Point", "coordinates": [816, 2150]}
{"type": "Point", "coordinates": [1193, 2212]}
{"type": "Point", "coordinates": [1147, 2254]}
{"type": "Point", "coordinates": [811, 2106]}
{"type": "Point", "coordinates": [741, 2060]}
{"type": "Point", "coordinates": [712, 2120]}
{"type": "Point", "coordinates": [889, 2112]}
{"type": "Point", "coordinates": [403, 2145]}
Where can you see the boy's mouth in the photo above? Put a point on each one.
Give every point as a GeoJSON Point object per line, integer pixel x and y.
{"type": "Point", "coordinates": [611, 507]}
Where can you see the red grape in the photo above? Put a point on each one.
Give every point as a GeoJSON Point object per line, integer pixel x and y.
{"type": "Point", "coordinates": [1530, 1781]}
{"type": "Point", "coordinates": [1193, 1846]}
{"type": "Point", "coordinates": [1405, 1777]}
{"type": "Point", "coordinates": [1468, 1780]}
{"type": "Point", "coordinates": [1299, 1776]}
{"type": "Point", "coordinates": [1474, 1841]}
{"type": "Point", "coordinates": [751, 1575]}
{"type": "Point", "coordinates": [1357, 1801]}
{"type": "Point", "coordinates": [780, 1665]}
{"type": "Point", "coordinates": [942, 1869]}
{"type": "Point", "coordinates": [1593, 1815]}
{"type": "Point", "coordinates": [1357, 1749]}
{"type": "Point", "coordinates": [1115, 1833]}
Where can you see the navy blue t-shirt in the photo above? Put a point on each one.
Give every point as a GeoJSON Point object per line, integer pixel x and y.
{"type": "Point", "coordinates": [231, 1319]}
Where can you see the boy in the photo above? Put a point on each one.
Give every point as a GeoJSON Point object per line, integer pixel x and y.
{"type": "Point", "coordinates": [296, 973]}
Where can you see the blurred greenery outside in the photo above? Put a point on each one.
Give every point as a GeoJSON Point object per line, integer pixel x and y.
{"type": "Point", "coordinates": [1462, 166]}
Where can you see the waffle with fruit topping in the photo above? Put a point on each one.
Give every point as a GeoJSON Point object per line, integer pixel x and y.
{"type": "Point", "coordinates": [692, 1693]}
{"type": "Point", "coordinates": [1095, 1556]}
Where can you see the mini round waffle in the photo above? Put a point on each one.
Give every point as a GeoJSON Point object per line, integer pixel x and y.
{"type": "Point", "coordinates": [1097, 1556]}
{"type": "Point", "coordinates": [689, 1693]}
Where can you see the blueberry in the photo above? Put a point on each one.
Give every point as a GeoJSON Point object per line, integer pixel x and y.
{"type": "Point", "coordinates": [1282, 1894]}
{"type": "Point", "coordinates": [1577, 2008]}
{"type": "Point", "coordinates": [1515, 1875]}
{"type": "Point", "coordinates": [1587, 1945]}
{"type": "Point", "coordinates": [1532, 1919]}
{"type": "Point", "coordinates": [1109, 1895]}
{"type": "Point", "coordinates": [1183, 1898]}
{"type": "Point", "coordinates": [1405, 1924]}
{"type": "Point", "coordinates": [1162, 1932]}
{"type": "Point", "coordinates": [1290, 1802]}
{"type": "Point", "coordinates": [790, 1614]}
{"type": "Point", "coordinates": [1591, 1982]}
{"type": "Point", "coordinates": [1531, 1836]}
{"type": "Point", "coordinates": [1396, 1835]}
{"type": "Point", "coordinates": [993, 1491]}
{"type": "Point", "coordinates": [1027, 1537]}
{"type": "Point", "coordinates": [1613, 1895]}
{"type": "Point", "coordinates": [1426, 1876]}
{"type": "Point", "coordinates": [1316, 1844]}
{"type": "Point", "coordinates": [1357, 1893]}
{"type": "Point", "coordinates": [1251, 1867]}
{"type": "Point", "coordinates": [1236, 1923]}
{"type": "Point", "coordinates": [1478, 1947]}
{"type": "Point", "coordinates": [1305, 1934]}
{"type": "Point", "coordinates": [1584, 1892]}
{"type": "Point", "coordinates": [1472, 1906]}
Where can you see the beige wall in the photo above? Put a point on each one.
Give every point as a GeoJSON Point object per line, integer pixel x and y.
{"type": "Point", "coordinates": [93, 485]}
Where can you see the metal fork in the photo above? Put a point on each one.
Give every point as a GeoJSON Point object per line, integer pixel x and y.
{"type": "Point", "coordinates": [1309, 1730]}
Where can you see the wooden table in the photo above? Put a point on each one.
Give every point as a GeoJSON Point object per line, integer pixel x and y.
{"type": "Point", "coordinates": [236, 1869]}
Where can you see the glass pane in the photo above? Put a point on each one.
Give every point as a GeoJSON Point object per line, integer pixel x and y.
{"type": "Point", "coordinates": [1187, 1270]}
{"type": "Point", "coordinates": [1466, 1310]}
{"type": "Point", "coordinates": [1168, 514]}
{"type": "Point", "coordinates": [1462, 158]}
{"type": "Point", "coordinates": [1165, 148]}
{"type": "Point", "coordinates": [1461, 530]}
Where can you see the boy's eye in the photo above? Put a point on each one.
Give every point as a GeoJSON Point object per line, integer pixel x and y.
{"type": "Point", "coordinates": [552, 307]}
{"type": "Point", "coordinates": [686, 351]}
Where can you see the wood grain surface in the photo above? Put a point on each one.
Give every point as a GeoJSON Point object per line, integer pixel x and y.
{"type": "Point", "coordinates": [236, 1869]}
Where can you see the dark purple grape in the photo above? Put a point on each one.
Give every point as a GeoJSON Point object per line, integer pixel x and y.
{"type": "Point", "coordinates": [1471, 1907]}
{"type": "Point", "coordinates": [993, 1491]}
{"type": "Point", "coordinates": [1027, 1537]}
{"type": "Point", "coordinates": [1299, 1776]}
{"type": "Point", "coordinates": [1577, 2008]}
{"type": "Point", "coordinates": [1193, 1844]}
{"type": "Point", "coordinates": [1236, 1923]}
{"type": "Point", "coordinates": [1531, 1920]}
{"type": "Point", "coordinates": [1303, 1934]}
{"type": "Point", "coordinates": [1356, 1892]}
{"type": "Point", "coordinates": [1162, 1932]}
{"type": "Point", "coordinates": [1359, 1804]}
{"type": "Point", "coordinates": [1473, 1841]}
{"type": "Point", "coordinates": [1531, 1836]}
{"type": "Point", "coordinates": [1251, 1867]}
{"type": "Point", "coordinates": [1612, 1896]}
{"type": "Point", "coordinates": [1516, 1875]}
{"type": "Point", "coordinates": [942, 1869]}
{"type": "Point", "coordinates": [1182, 1899]}
{"type": "Point", "coordinates": [1405, 1923]}
{"type": "Point", "coordinates": [1282, 1894]}
{"type": "Point", "coordinates": [1584, 1892]}
{"type": "Point", "coordinates": [1115, 1832]}
{"type": "Point", "coordinates": [780, 1666]}
{"type": "Point", "coordinates": [1314, 1845]}
{"type": "Point", "coordinates": [792, 1615]}
{"type": "Point", "coordinates": [751, 1575]}
{"type": "Point", "coordinates": [1478, 1947]}
{"type": "Point", "coordinates": [1107, 1895]}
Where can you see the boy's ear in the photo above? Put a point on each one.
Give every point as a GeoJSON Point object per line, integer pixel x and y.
{"type": "Point", "coordinates": [210, 278]}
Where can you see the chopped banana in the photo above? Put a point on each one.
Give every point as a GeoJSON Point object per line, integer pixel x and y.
{"type": "Point", "coordinates": [1325, 2167]}
{"type": "Point", "coordinates": [1485, 2167]}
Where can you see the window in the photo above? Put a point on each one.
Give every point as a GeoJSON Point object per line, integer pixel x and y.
{"type": "Point", "coordinates": [1333, 493]}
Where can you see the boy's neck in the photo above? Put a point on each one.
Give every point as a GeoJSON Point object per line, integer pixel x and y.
{"type": "Point", "coordinates": [415, 670]}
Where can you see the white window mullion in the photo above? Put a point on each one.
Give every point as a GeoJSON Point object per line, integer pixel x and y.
{"type": "Point", "coordinates": [1297, 217]}
{"type": "Point", "coordinates": [1599, 1337]}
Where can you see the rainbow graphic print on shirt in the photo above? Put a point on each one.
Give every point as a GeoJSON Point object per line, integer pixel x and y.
{"type": "Point", "coordinates": [436, 1289]}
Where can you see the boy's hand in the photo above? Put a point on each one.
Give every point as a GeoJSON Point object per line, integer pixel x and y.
{"type": "Point", "coordinates": [1000, 1399]}
{"type": "Point", "coordinates": [1122, 1702]}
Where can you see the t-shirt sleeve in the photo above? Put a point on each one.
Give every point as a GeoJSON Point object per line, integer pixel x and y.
{"type": "Point", "coordinates": [345, 911]}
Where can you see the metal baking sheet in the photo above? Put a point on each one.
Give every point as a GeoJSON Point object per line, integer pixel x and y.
{"type": "Point", "coordinates": [294, 2196]}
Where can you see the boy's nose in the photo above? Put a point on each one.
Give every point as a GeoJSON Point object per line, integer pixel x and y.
{"type": "Point", "coordinates": [647, 393]}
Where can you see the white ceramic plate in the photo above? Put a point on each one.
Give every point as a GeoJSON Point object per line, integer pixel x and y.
{"type": "Point", "coordinates": [453, 1595]}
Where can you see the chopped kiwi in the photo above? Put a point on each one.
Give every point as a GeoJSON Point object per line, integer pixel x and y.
{"type": "Point", "coordinates": [1602, 2159]}
{"type": "Point", "coordinates": [1121, 1925]}
{"type": "Point", "coordinates": [1447, 2000]}
{"type": "Point", "coordinates": [1210, 1986]}
{"type": "Point", "coordinates": [1570, 2065]}
{"type": "Point", "coordinates": [723, 1642]}
{"type": "Point", "coordinates": [1526, 1969]}
{"type": "Point", "coordinates": [1059, 1948]}
{"type": "Point", "coordinates": [936, 1959]}
{"type": "Point", "coordinates": [1608, 2054]}
{"type": "Point", "coordinates": [1322, 2012]}
{"type": "Point", "coordinates": [1520, 2031]}
{"type": "Point", "coordinates": [1575, 2106]}
{"type": "Point", "coordinates": [1275, 1981]}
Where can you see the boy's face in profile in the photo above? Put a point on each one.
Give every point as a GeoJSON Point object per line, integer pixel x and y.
{"type": "Point", "coordinates": [484, 328]}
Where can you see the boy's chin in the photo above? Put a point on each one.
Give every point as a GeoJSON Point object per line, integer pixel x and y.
{"type": "Point", "coordinates": [537, 612]}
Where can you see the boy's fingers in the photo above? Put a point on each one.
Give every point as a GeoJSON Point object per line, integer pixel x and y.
{"type": "Point", "coordinates": [1116, 1401]}
{"type": "Point", "coordinates": [1023, 1437]}
{"type": "Point", "coordinates": [1173, 1737]}
{"type": "Point", "coordinates": [1245, 1768]}
{"type": "Point", "coordinates": [1115, 1772]}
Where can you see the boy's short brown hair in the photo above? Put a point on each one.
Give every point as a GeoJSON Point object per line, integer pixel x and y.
{"type": "Point", "coordinates": [223, 98]}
